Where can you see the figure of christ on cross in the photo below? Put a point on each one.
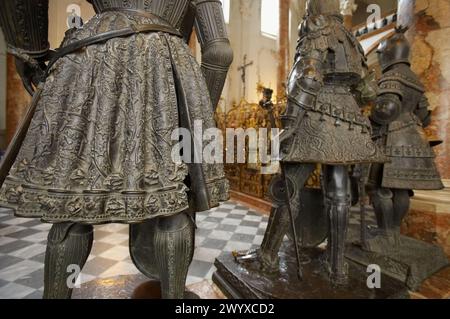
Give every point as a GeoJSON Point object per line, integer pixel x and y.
{"type": "Point", "coordinates": [243, 70]}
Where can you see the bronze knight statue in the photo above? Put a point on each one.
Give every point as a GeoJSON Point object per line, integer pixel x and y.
{"type": "Point", "coordinates": [96, 144]}
{"type": "Point", "coordinates": [398, 120]}
{"type": "Point", "coordinates": [323, 124]}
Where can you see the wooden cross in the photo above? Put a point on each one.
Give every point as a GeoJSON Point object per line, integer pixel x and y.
{"type": "Point", "coordinates": [243, 69]}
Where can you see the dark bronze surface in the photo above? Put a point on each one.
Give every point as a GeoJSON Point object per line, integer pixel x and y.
{"type": "Point", "coordinates": [411, 261]}
{"type": "Point", "coordinates": [399, 118]}
{"type": "Point", "coordinates": [96, 146]}
{"type": "Point", "coordinates": [246, 280]}
{"type": "Point", "coordinates": [24, 24]}
{"type": "Point", "coordinates": [72, 167]}
{"type": "Point", "coordinates": [323, 124]}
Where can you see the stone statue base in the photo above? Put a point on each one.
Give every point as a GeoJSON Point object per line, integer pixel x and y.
{"type": "Point", "coordinates": [412, 263]}
{"type": "Point", "coordinates": [245, 280]}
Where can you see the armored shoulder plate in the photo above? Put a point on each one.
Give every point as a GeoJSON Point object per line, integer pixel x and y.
{"type": "Point", "coordinates": [393, 81]}
{"type": "Point", "coordinates": [25, 25]}
{"type": "Point", "coordinates": [314, 32]}
{"type": "Point", "coordinates": [327, 34]}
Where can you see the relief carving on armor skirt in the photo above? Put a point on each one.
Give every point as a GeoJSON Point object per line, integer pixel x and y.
{"type": "Point", "coordinates": [96, 144]}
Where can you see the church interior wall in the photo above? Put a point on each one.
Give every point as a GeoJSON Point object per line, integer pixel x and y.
{"type": "Point", "coordinates": [2, 85]}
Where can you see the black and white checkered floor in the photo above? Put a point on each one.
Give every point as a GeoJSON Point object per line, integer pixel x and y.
{"type": "Point", "coordinates": [22, 248]}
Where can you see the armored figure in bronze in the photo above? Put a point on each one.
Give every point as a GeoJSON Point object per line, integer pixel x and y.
{"type": "Point", "coordinates": [323, 124]}
{"type": "Point", "coordinates": [399, 118]}
{"type": "Point", "coordinates": [98, 146]}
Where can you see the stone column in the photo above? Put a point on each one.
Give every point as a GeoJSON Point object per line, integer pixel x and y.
{"type": "Point", "coordinates": [429, 218]}
{"type": "Point", "coordinates": [17, 99]}
{"type": "Point", "coordinates": [348, 7]}
{"type": "Point", "coordinates": [283, 48]}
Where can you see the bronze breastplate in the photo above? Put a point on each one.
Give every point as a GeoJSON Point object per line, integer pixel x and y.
{"type": "Point", "coordinates": [172, 11]}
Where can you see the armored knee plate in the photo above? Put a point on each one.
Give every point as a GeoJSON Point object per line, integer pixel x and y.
{"type": "Point", "coordinates": [382, 200]}
{"type": "Point", "coordinates": [174, 249]}
{"type": "Point", "coordinates": [68, 245]}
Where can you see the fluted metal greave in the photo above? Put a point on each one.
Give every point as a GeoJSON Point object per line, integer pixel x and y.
{"type": "Point", "coordinates": [210, 17]}
{"type": "Point", "coordinates": [217, 54]}
{"type": "Point", "coordinates": [382, 200]}
{"type": "Point", "coordinates": [216, 60]}
{"type": "Point", "coordinates": [68, 244]}
{"type": "Point", "coordinates": [174, 251]}
{"type": "Point", "coordinates": [25, 24]}
{"type": "Point", "coordinates": [338, 214]}
{"type": "Point", "coordinates": [277, 228]}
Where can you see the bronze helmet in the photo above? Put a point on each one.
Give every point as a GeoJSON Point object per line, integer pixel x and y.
{"type": "Point", "coordinates": [325, 7]}
{"type": "Point", "coordinates": [394, 50]}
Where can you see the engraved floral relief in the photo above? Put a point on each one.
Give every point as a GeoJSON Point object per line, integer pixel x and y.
{"type": "Point", "coordinates": [99, 146]}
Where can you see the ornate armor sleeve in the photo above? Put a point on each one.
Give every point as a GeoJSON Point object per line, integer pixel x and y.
{"type": "Point", "coordinates": [422, 111]}
{"type": "Point", "coordinates": [217, 55]}
{"type": "Point", "coordinates": [306, 78]}
{"type": "Point", "coordinates": [25, 25]}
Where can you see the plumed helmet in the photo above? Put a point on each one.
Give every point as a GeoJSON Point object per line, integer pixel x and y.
{"type": "Point", "coordinates": [394, 50]}
{"type": "Point", "coordinates": [324, 7]}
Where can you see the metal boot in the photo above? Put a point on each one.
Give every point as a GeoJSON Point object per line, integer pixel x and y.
{"type": "Point", "coordinates": [337, 204]}
{"type": "Point", "coordinates": [277, 228]}
{"type": "Point", "coordinates": [402, 203]}
{"type": "Point", "coordinates": [174, 249]}
{"type": "Point", "coordinates": [338, 213]}
{"type": "Point", "coordinates": [68, 244]}
{"type": "Point", "coordinates": [385, 236]}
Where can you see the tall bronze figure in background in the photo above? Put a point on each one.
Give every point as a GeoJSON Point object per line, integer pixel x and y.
{"type": "Point", "coordinates": [399, 119]}
{"type": "Point", "coordinates": [98, 149]}
{"type": "Point", "coordinates": [322, 124]}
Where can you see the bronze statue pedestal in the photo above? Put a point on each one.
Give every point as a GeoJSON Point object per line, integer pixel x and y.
{"type": "Point", "coordinates": [412, 263]}
{"type": "Point", "coordinates": [245, 280]}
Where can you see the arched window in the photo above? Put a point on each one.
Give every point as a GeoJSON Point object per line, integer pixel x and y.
{"type": "Point", "coordinates": [226, 10]}
{"type": "Point", "coordinates": [270, 17]}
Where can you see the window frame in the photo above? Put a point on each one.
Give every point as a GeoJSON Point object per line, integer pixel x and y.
{"type": "Point", "coordinates": [264, 31]}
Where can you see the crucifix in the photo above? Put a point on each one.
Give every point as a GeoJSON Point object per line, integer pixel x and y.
{"type": "Point", "coordinates": [243, 69]}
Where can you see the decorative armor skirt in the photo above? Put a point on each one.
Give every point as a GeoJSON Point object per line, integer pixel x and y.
{"type": "Point", "coordinates": [411, 163]}
{"type": "Point", "coordinates": [332, 132]}
{"type": "Point", "coordinates": [99, 146]}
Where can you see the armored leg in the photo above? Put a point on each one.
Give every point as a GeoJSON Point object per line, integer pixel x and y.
{"type": "Point", "coordinates": [174, 249]}
{"type": "Point", "coordinates": [382, 201]}
{"type": "Point", "coordinates": [277, 228]}
{"type": "Point", "coordinates": [401, 202]}
{"type": "Point", "coordinates": [279, 221]}
{"type": "Point", "coordinates": [337, 203]}
{"type": "Point", "coordinates": [68, 244]}
{"type": "Point", "coordinates": [401, 206]}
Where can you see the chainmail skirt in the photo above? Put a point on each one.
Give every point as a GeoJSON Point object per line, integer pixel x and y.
{"type": "Point", "coordinates": [99, 146]}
